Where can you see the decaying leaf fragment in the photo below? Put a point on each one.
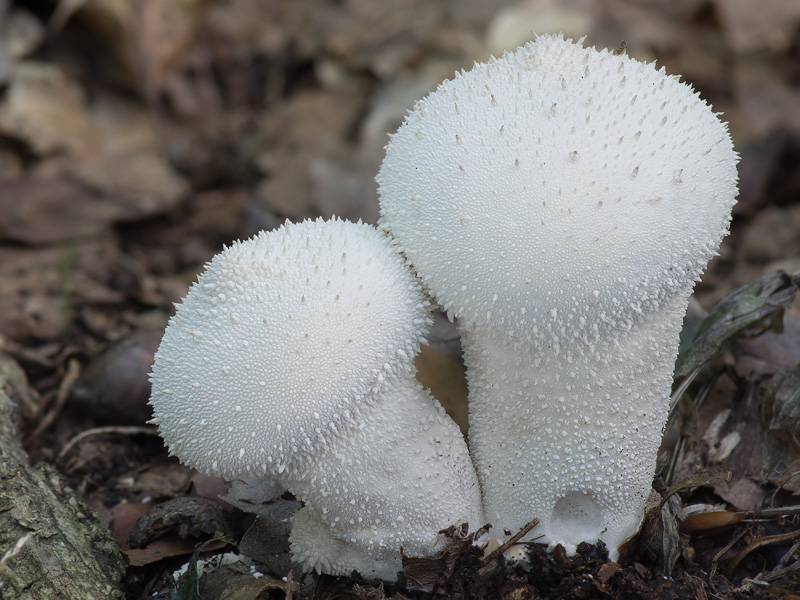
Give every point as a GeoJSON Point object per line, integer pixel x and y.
{"type": "Point", "coordinates": [749, 310]}
{"type": "Point", "coordinates": [661, 518]}
{"type": "Point", "coordinates": [781, 404]}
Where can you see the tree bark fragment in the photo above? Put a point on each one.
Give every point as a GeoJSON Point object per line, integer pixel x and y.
{"type": "Point", "coordinates": [52, 545]}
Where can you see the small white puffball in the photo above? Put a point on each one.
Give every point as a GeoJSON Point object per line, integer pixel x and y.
{"type": "Point", "coordinates": [558, 191]}
{"type": "Point", "coordinates": [279, 343]}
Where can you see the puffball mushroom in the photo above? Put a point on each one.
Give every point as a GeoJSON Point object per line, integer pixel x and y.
{"type": "Point", "coordinates": [291, 359]}
{"type": "Point", "coordinates": [561, 202]}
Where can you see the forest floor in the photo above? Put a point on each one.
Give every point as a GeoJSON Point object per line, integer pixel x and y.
{"type": "Point", "coordinates": [136, 138]}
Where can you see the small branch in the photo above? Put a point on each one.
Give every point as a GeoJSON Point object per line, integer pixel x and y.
{"type": "Point", "coordinates": [759, 543]}
{"type": "Point", "coordinates": [130, 430]}
{"type": "Point", "coordinates": [70, 377]}
{"type": "Point", "coordinates": [508, 543]}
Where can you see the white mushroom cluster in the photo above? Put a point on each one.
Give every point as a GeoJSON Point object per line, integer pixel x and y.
{"type": "Point", "coordinates": [291, 359]}
{"type": "Point", "coordinates": [561, 202]}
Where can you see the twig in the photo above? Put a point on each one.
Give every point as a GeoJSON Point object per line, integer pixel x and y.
{"type": "Point", "coordinates": [130, 430]}
{"type": "Point", "coordinates": [70, 377]}
{"type": "Point", "coordinates": [759, 543]}
{"type": "Point", "coordinates": [26, 355]}
{"type": "Point", "coordinates": [787, 557]}
{"type": "Point", "coordinates": [733, 541]}
{"type": "Point", "coordinates": [763, 581]}
{"type": "Point", "coordinates": [508, 543]}
{"type": "Point", "coordinates": [768, 513]}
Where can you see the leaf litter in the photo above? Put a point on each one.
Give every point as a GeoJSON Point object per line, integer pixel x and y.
{"type": "Point", "coordinates": [133, 145]}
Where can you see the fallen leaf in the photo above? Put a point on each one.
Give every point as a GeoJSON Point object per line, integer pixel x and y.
{"type": "Point", "coordinates": [166, 548]}
{"type": "Point", "coordinates": [236, 581]}
{"type": "Point", "coordinates": [446, 379]}
{"type": "Point", "coordinates": [770, 352]}
{"type": "Point", "coordinates": [46, 109]}
{"type": "Point", "coordinates": [267, 540]}
{"type": "Point", "coordinates": [742, 494]}
{"type": "Point", "coordinates": [748, 310]}
{"type": "Point", "coordinates": [771, 27]}
{"type": "Point", "coordinates": [190, 516]}
{"type": "Point", "coordinates": [123, 518]}
{"type": "Point", "coordinates": [709, 522]}
{"type": "Point", "coordinates": [296, 136]}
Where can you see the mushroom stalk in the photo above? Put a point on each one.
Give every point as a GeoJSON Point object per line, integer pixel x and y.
{"type": "Point", "coordinates": [291, 360]}
{"type": "Point", "coordinates": [580, 423]}
{"type": "Point", "coordinates": [399, 475]}
{"type": "Point", "coordinates": [561, 202]}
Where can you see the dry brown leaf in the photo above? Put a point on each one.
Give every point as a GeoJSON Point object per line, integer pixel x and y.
{"type": "Point", "coordinates": [113, 147]}
{"type": "Point", "coordinates": [46, 109]}
{"type": "Point", "coordinates": [237, 582]}
{"type": "Point", "coordinates": [364, 34]}
{"type": "Point", "coordinates": [742, 494]}
{"type": "Point", "coordinates": [301, 139]}
{"type": "Point", "coordinates": [770, 352]}
{"type": "Point", "coordinates": [446, 379]}
{"type": "Point", "coordinates": [51, 211]}
{"type": "Point", "coordinates": [766, 100]}
{"type": "Point", "coordinates": [31, 302]}
{"type": "Point", "coordinates": [123, 518]}
{"type": "Point", "coordinates": [704, 523]}
{"type": "Point", "coordinates": [165, 480]}
{"type": "Point", "coordinates": [771, 25]}
{"type": "Point", "coordinates": [267, 540]}
{"type": "Point", "coordinates": [144, 39]}
{"type": "Point", "coordinates": [162, 31]}
{"type": "Point", "coordinates": [141, 182]}
{"type": "Point", "coordinates": [166, 548]}
{"type": "Point", "coordinates": [789, 479]}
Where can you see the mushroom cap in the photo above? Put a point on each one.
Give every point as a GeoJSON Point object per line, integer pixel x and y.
{"type": "Point", "coordinates": [558, 188]}
{"type": "Point", "coordinates": [280, 341]}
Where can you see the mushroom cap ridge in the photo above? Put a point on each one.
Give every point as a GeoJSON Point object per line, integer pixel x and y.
{"type": "Point", "coordinates": [557, 189]}
{"type": "Point", "coordinates": [280, 341]}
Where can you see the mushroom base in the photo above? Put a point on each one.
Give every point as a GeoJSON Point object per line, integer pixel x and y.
{"type": "Point", "coordinates": [396, 476]}
{"type": "Point", "coordinates": [316, 548]}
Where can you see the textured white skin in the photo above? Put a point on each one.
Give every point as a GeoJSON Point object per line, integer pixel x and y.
{"type": "Point", "coordinates": [561, 202]}
{"type": "Point", "coordinates": [579, 439]}
{"type": "Point", "coordinates": [279, 342]}
{"type": "Point", "coordinates": [285, 362]}
{"type": "Point", "coordinates": [420, 482]}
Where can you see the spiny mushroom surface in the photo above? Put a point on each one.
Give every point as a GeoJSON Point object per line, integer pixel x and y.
{"type": "Point", "coordinates": [561, 202]}
{"type": "Point", "coordinates": [420, 482]}
{"type": "Point", "coordinates": [291, 359]}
